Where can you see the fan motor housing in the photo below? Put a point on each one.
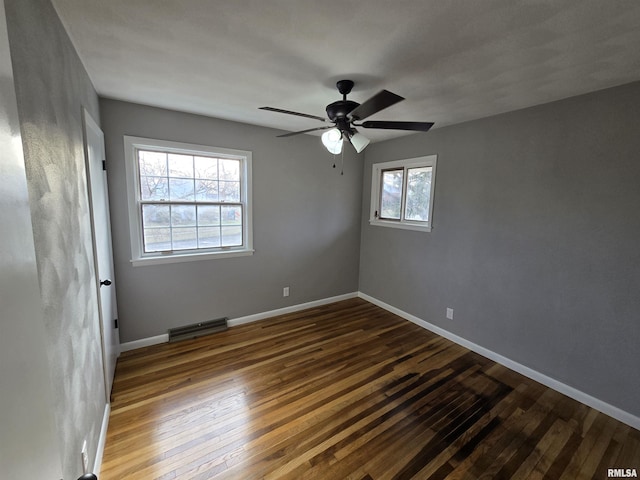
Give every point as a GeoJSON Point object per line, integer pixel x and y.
{"type": "Point", "coordinates": [340, 109]}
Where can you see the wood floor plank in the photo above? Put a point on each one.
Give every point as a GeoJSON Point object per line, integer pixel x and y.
{"type": "Point", "coordinates": [345, 391]}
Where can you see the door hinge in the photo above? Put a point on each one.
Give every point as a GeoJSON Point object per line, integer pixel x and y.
{"type": "Point", "coordinates": [104, 164]}
{"type": "Point", "coordinates": [116, 323]}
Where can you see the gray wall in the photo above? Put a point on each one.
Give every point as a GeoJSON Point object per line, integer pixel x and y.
{"type": "Point", "coordinates": [51, 87]}
{"type": "Point", "coordinates": [535, 241]}
{"type": "Point", "coordinates": [26, 419]}
{"type": "Point", "coordinates": [306, 226]}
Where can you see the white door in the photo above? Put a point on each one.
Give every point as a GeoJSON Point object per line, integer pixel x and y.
{"type": "Point", "coordinates": [103, 252]}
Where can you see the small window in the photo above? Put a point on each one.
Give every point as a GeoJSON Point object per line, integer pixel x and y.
{"type": "Point", "coordinates": [402, 193]}
{"type": "Point", "coordinates": [187, 202]}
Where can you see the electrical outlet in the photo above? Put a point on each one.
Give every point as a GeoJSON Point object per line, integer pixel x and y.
{"type": "Point", "coordinates": [85, 457]}
{"type": "Point", "coordinates": [285, 292]}
{"type": "Point", "coordinates": [450, 313]}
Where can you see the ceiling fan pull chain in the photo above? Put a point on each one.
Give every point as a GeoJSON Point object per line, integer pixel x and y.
{"type": "Point", "coordinates": [342, 168]}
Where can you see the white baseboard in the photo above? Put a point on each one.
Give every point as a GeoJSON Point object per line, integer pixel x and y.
{"type": "Point", "coordinates": [552, 383]}
{"type": "Point", "coordinates": [145, 342]}
{"type": "Point", "coordinates": [293, 308]}
{"type": "Point", "coordinates": [97, 464]}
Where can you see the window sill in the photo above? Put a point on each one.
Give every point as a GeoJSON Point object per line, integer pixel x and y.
{"type": "Point", "coordinates": [401, 226]}
{"type": "Point", "coordinates": [189, 257]}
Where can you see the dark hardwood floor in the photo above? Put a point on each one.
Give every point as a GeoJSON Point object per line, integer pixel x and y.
{"type": "Point", "coordinates": [346, 391]}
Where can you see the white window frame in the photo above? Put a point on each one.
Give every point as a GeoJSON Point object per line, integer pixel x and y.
{"type": "Point", "coordinates": [376, 191]}
{"type": "Point", "coordinates": [138, 256]}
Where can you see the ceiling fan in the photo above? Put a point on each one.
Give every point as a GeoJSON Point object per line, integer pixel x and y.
{"type": "Point", "coordinates": [343, 114]}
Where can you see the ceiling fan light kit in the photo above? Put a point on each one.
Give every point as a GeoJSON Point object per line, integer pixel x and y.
{"type": "Point", "coordinates": [332, 140]}
{"type": "Point", "coordinates": [345, 113]}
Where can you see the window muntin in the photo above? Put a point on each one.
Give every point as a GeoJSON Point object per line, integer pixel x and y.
{"type": "Point", "coordinates": [402, 193]}
{"type": "Point", "coordinates": [187, 200]}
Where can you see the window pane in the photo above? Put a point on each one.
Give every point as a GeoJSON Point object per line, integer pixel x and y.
{"type": "Point", "coordinates": [231, 236]}
{"type": "Point", "coordinates": [155, 216]}
{"type": "Point", "coordinates": [208, 215]}
{"type": "Point", "coordinates": [208, 237]}
{"type": "Point", "coordinates": [152, 163]}
{"type": "Point", "coordinates": [231, 214]}
{"type": "Point", "coordinates": [229, 191]}
{"type": "Point", "coordinates": [154, 188]}
{"type": "Point", "coordinates": [391, 198]}
{"type": "Point", "coordinates": [418, 192]}
{"type": "Point", "coordinates": [180, 189]}
{"type": "Point", "coordinates": [229, 169]}
{"type": "Point", "coordinates": [183, 215]}
{"type": "Point", "coordinates": [206, 167]}
{"type": "Point", "coordinates": [157, 239]}
{"type": "Point", "coordinates": [183, 238]}
{"type": "Point", "coordinates": [206, 190]}
{"type": "Point", "coordinates": [180, 165]}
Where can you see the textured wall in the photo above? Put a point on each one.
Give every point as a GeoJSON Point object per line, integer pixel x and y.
{"type": "Point", "coordinates": [306, 226]}
{"type": "Point", "coordinates": [535, 240]}
{"type": "Point", "coordinates": [26, 419]}
{"type": "Point", "coordinates": [51, 88]}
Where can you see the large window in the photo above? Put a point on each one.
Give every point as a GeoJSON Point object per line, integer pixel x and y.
{"type": "Point", "coordinates": [187, 202]}
{"type": "Point", "coordinates": [402, 193]}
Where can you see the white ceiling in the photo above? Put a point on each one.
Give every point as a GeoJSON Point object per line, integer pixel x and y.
{"type": "Point", "coordinates": [453, 60]}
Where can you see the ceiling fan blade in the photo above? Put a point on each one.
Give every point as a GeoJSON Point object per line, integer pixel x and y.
{"type": "Point", "coordinates": [291, 134]}
{"type": "Point", "coordinates": [379, 101]}
{"type": "Point", "coordinates": [417, 126]}
{"type": "Point", "coordinates": [288, 112]}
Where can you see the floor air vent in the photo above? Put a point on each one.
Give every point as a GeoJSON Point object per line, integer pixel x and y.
{"type": "Point", "coordinates": [197, 330]}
